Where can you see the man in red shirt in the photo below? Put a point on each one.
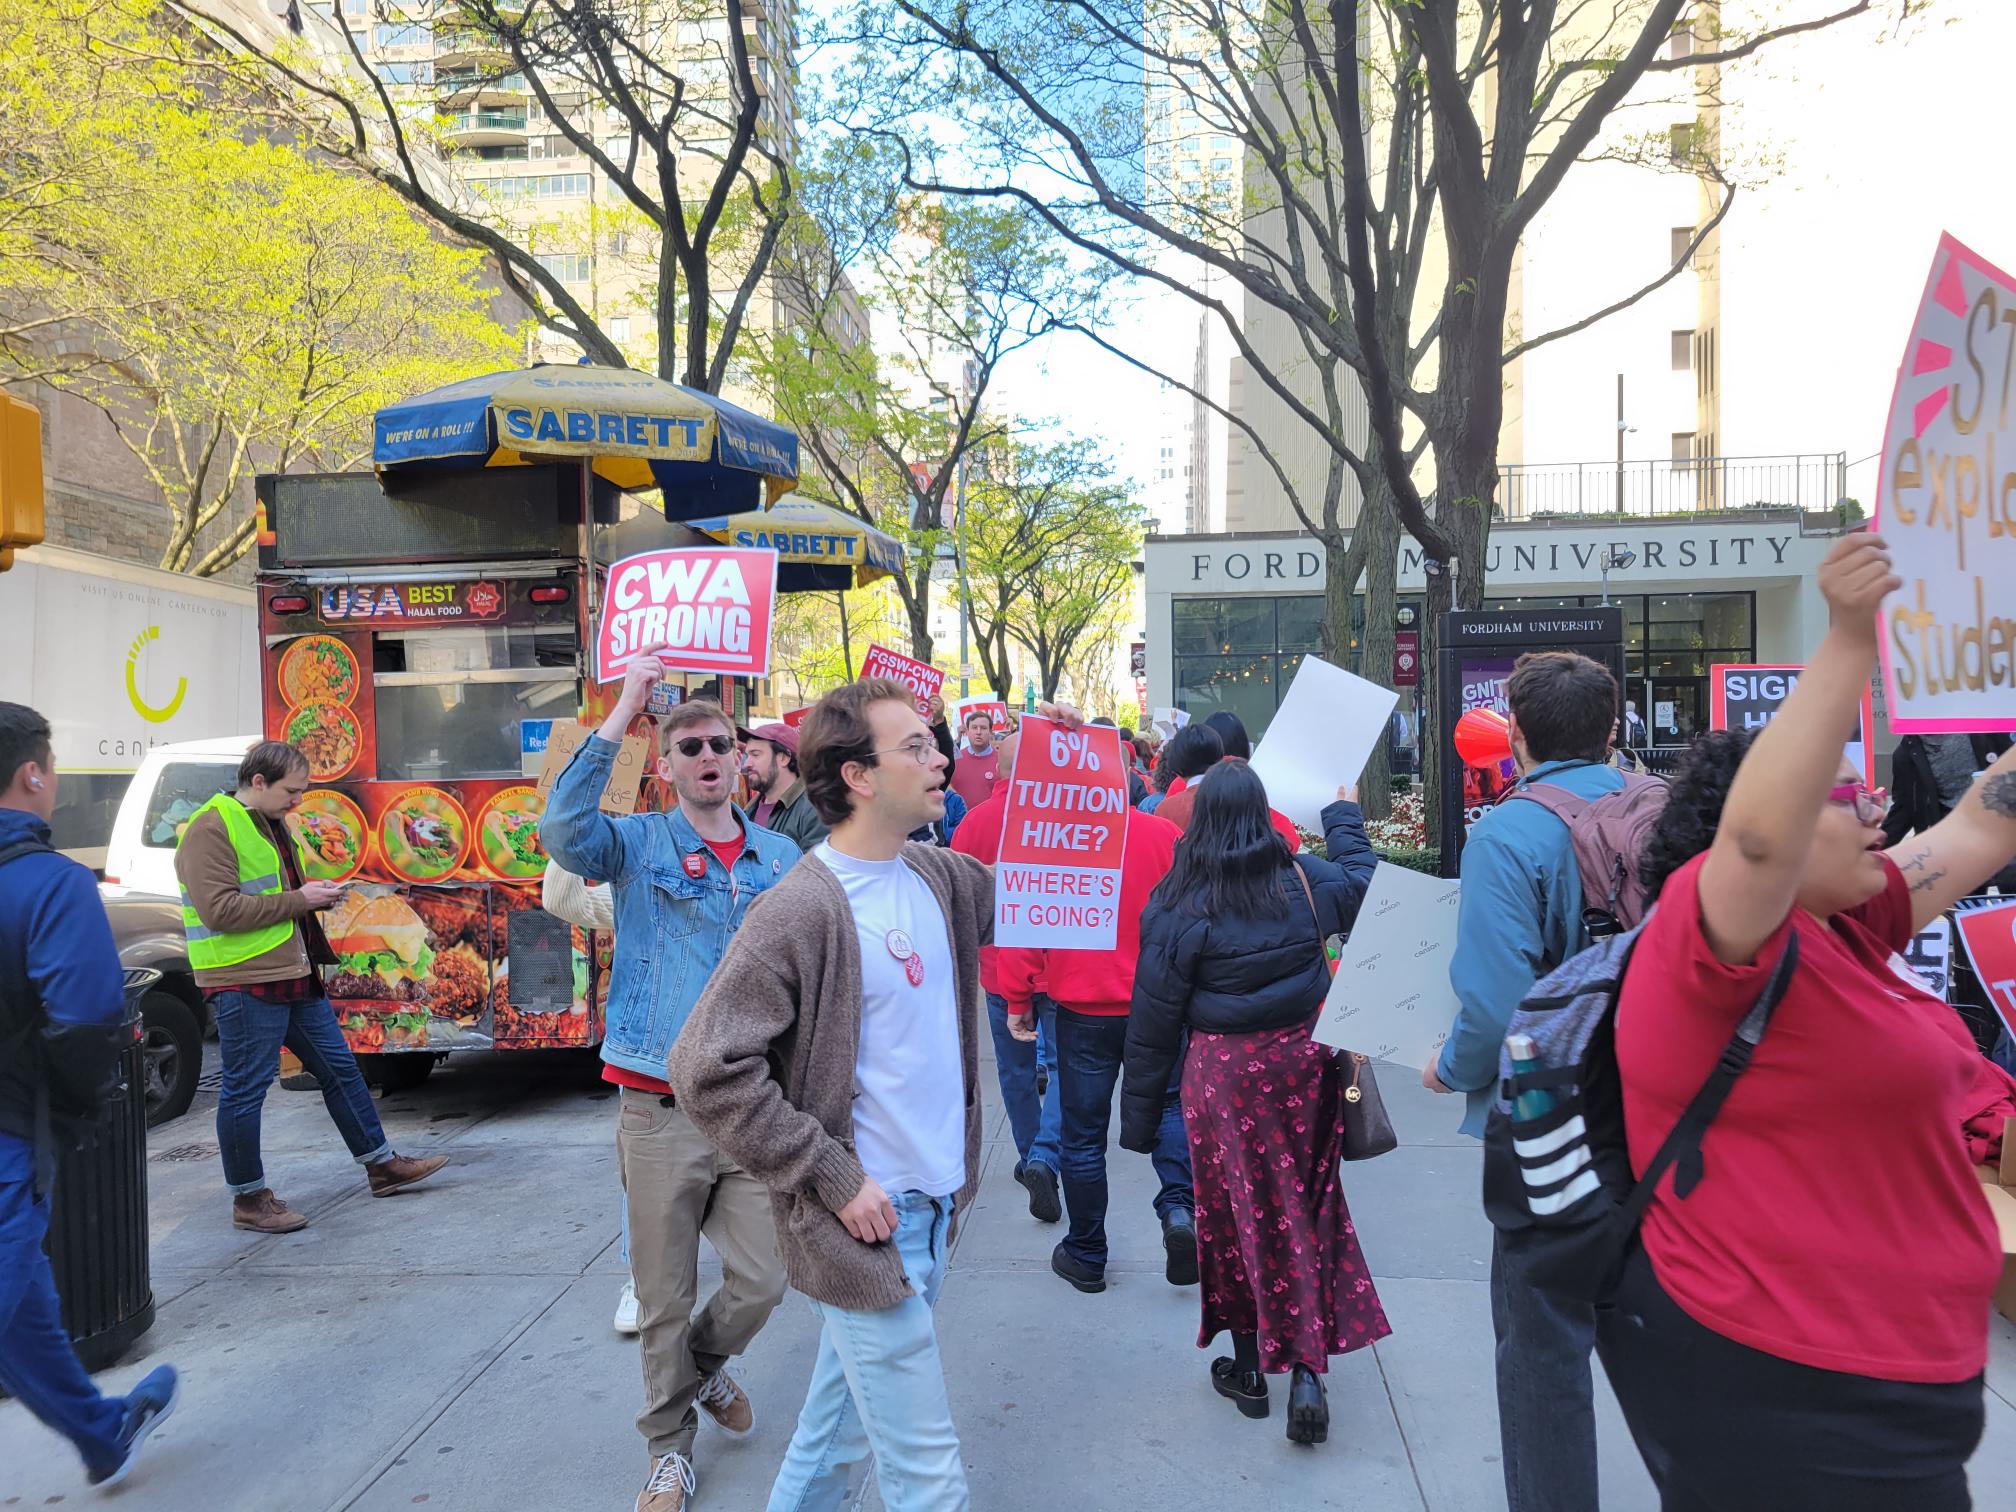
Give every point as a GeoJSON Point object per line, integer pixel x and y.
{"type": "Point", "coordinates": [1027, 1067]}
{"type": "Point", "coordinates": [1093, 990]}
{"type": "Point", "coordinates": [978, 766]}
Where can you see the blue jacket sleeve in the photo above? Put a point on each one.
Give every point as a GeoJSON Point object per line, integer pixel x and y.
{"type": "Point", "coordinates": [73, 966]}
{"type": "Point", "coordinates": [1351, 853]}
{"type": "Point", "coordinates": [1499, 955]}
{"type": "Point", "coordinates": [575, 831]}
{"type": "Point", "coordinates": [72, 961]}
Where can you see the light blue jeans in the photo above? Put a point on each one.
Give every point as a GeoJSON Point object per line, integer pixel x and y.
{"type": "Point", "coordinates": [877, 1384]}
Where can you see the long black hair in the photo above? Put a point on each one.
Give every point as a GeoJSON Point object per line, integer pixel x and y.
{"type": "Point", "coordinates": [1229, 861]}
{"type": "Point", "coordinates": [1697, 792]}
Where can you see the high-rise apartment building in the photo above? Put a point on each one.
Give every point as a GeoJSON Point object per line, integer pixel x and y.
{"type": "Point", "coordinates": [510, 161]}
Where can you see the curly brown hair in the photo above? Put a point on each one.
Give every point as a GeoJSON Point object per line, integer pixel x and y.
{"type": "Point", "coordinates": [837, 732]}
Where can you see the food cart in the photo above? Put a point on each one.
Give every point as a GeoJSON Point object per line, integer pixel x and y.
{"type": "Point", "coordinates": [423, 629]}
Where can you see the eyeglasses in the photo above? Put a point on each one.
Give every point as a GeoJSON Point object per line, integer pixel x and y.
{"type": "Point", "coordinates": [1870, 804]}
{"type": "Point", "coordinates": [919, 751]}
{"type": "Point", "coordinates": [720, 745]}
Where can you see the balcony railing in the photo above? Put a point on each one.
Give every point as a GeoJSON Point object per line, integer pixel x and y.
{"type": "Point", "coordinates": [1813, 482]}
{"type": "Point", "coordinates": [463, 122]}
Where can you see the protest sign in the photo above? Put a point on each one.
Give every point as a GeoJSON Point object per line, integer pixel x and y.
{"type": "Point", "coordinates": [1319, 738]}
{"type": "Point", "coordinates": [921, 678]}
{"type": "Point", "coordinates": [1057, 880]}
{"type": "Point", "coordinates": [710, 607]}
{"type": "Point", "coordinates": [1168, 721]}
{"type": "Point", "coordinates": [993, 703]}
{"type": "Point", "coordinates": [1988, 935]}
{"type": "Point", "coordinates": [793, 718]}
{"type": "Point", "coordinates": [619, 793]}
{"type": "Point", "coordinates": [1742, 696]}
{"type": "Point", "coordinates": [1946, 505]}
{"type": "Point", "coordinates": [1391, 997]}
{"type": "Point", "coordinates": [1928, 960]}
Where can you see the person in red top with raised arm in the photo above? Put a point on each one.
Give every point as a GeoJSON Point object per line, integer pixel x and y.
{"type": "Point", "coordinates": [1807, 1328]}
{"type": "Point", "coordinates": [1092, 990]}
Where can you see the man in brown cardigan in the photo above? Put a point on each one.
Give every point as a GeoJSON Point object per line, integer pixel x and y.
{"type": "Point", "coordinates": [835, 1057]}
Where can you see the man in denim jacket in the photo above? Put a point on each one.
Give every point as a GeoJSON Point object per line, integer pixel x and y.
{"type": "Point", "coordinates": [682, 882]}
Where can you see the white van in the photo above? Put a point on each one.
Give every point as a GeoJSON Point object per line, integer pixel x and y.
{"type": "Point", "coordinates": [172, 783]}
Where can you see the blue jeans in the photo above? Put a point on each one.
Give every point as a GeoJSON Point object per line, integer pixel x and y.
{"type": "Point", "coordinates": [877, 1384]}
{"type": "Point", "coordinates": [1035, 1122]}
{"type": "Point", "coordinates": [250, 1032]}
{"type": "Point", "coordinates": [1546, 1402]}
{"type": "Point", "coordinates": [37, 1364]}
{"type": "Point", "coordinates": [1089, 1053]}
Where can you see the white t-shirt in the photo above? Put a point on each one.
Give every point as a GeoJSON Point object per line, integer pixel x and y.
{"type": "Point", "coordinates": [910, 1091]}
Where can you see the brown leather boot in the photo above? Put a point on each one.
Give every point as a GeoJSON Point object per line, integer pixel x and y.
{"type": "Point", "coordinates": [263, 1213]}
{"type": "Point", "coordinates": [401, 1172]}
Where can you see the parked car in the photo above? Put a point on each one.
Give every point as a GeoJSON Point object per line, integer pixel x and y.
{"type": "Point", "coordinates": [172, 783]}
{"type": "Point", "coordinates": [174, 1017]}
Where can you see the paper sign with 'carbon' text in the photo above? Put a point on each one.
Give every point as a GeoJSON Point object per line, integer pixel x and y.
{"type": "Point", "coordinates": [1057, 880]}
{"type": "Point", "coordinates": [709, 607]}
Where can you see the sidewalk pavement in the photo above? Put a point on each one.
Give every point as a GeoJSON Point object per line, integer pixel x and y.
{"type": "Point", "coordinates": [450, 1347]}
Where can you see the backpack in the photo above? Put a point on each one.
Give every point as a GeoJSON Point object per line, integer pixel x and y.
{"type": "Point", "coordinates": [1608, 835]}
{"type": "Point", "coordinates": [1558, 1186]}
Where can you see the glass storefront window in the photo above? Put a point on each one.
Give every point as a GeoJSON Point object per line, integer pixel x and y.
{"type": "Point", "coordinates": [1243, 684]}
{"type": "Point", "coordinates": [1220, 627]}
{"type": "Point", "coordinates": [1299, 623]}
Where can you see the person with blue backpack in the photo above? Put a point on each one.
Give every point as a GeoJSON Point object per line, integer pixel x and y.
{"type": "Point", "coordinates": [1801, 1320]}
{"type": "Point", "coordinates": [1523, 912]}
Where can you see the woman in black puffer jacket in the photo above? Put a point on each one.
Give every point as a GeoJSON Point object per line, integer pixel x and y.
{"type": "Point", "coordinates": [1232, 951]}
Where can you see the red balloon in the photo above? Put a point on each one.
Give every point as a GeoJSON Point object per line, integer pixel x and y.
{"type": "Point", "coordinates": [1483, 738]}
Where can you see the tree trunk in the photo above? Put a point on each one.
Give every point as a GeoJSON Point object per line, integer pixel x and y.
{"type": "Point", "coordinates": [1379, 528]}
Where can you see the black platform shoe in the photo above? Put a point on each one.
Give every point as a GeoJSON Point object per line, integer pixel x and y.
{"type": "Point", "coordinates": [1247, 1389]}
{"type": "Point", "coordinates": [1308, 1407]}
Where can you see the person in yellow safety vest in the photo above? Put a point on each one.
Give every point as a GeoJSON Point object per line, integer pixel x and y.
{"type": "Point", "coordinates": [255, 944]}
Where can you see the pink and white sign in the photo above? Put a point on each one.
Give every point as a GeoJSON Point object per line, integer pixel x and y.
{"type": "Point", "coordinates": [710, 607]}
{"type": "Point", "coordinates": [921, 678]}
{"type": "Point", "coordinates": [1057, 879]}
{"type": "Point", "coordinates": [1946, 504]}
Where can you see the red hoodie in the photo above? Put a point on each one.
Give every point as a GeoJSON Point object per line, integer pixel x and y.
{"type": "Point", "coordinates": [1098, 982]}
{"type": "Point", "coordinates": [979, 836]}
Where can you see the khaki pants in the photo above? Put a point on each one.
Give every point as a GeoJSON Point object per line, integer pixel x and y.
{"type": "Point", "coordinates": [678, 1187]}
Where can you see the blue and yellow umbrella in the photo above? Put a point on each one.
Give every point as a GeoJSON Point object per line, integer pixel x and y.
{"type": "Point", "coordinates": [638, 431]}
{"type": "Point", "coordinates": [819, 549]}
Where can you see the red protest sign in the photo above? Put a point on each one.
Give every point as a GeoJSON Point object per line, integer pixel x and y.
{"type": "Point", "coordinates": [796, 717]}
{"type": "Point", "coordinates": [711, 607]}
{"type": "Point", "coordinates": [990, 704]}
{"type": "Point", "coordinates": [1057, 880]}
{"type": "Point", "coordinates": [1989, 936]}
{"type": "Point", "coordinates": [921, 678]}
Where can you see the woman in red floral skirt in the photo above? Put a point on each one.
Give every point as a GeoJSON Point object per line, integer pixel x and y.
{"type": "Point", "coordinates": [1232, 953]}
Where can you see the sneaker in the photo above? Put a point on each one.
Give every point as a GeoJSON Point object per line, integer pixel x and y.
{"type": "Point", "coordinates": [1042, 1184]}
{"type": "Point", "coordinates": [263, 1213]}
{"type": "Point", "coordinates": [724, 1400]}
{"type": "Point", "coordinates": [1308, 1408]}
{"type": "Point", "coordinates": [401, 1172]}
{"type": "Point", "coordinates": [1179, 1246]}
{"type": "Point", "coordinates": [1087, 1278]}
{"type": "Point", "coordinates": [670, 1486]}
{"type": "Point", "coordinates": [627, 1320]}
{"type": "Point", "coordinates": [147, 1408]}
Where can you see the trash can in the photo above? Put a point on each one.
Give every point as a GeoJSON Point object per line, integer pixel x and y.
{"type": "Point", "coordinates": [98, 1215]}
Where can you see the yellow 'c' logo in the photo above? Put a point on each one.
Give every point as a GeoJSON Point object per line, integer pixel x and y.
{"type": "Point", "coordinates": [140, 705]}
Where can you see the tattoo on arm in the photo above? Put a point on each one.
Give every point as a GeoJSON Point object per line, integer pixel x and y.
{"type": "Point", "coordinates": [1916, 872]}
{"type": "Point", "coordinates": [1998, 795]}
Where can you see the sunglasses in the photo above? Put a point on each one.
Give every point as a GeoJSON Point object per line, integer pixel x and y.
{"type": "Point", "coordinates": [1870, 804]}
{"type": "Point", "coordinates": [691, 746]}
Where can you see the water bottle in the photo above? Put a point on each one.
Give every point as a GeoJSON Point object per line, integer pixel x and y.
{"type": "Point", "coordinates": [1525, 1056]}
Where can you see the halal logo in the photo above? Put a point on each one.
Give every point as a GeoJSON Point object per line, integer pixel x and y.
{"type": "Point", "coordinates": [485, 600]}
{"type": "Point", "coordinates": [141, 707]}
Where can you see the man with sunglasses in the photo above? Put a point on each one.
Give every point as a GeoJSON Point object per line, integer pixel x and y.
{"type": "Point", "coordinates": [836, 1057]}
{"type": "Point", "coordinates": [682, 882]}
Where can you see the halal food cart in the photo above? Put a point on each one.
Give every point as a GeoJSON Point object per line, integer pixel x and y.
{"type": "Point", "coordinates": [425, 628]}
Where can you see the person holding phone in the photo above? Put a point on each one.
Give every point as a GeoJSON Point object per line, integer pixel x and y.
{"type": "Point", "coordinates": [257, 948]}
